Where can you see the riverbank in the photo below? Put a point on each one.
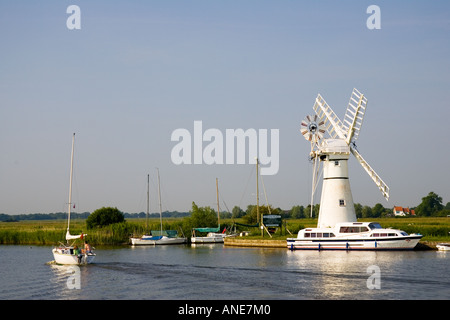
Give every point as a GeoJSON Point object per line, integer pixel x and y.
{"type": "Point", "coordinates": [51, 232]}
{"type": "Point", "coordinates": [242, 242]}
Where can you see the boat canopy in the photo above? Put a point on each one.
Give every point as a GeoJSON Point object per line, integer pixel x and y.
{"type": "Point", "coordinates": [207, 229]}
{"type": "Point", "coordinates": [167, 233]}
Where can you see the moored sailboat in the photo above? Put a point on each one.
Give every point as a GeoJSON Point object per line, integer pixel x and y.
{"type": "Point", "coordinates": [213, 234]}
{"type": "Point", "coordinates": [159, 237]}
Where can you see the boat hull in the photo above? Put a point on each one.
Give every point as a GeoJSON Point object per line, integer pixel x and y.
{"type": "Point", "coordinates": [394, 243]}
{"type": "Point", "coordinates": [443, 246]}
{"type": "Point", "coordinates": [156, 241]}
{"type": "Point", "coordinates": [63, 256]}
{"type": "Point", "coordinates": [210, 238]}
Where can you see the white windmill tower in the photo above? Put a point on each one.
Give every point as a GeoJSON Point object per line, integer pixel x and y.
{"type": "Point", "coordinates": [336, 204]}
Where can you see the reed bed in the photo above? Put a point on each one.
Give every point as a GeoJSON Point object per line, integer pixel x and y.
{"type": "Point", "coordinates": [51, 232]}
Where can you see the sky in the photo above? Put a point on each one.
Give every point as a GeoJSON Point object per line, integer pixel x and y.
{"type": "Point", "coordinates": [136, 71]}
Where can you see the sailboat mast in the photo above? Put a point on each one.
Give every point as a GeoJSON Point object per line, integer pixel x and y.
{"type": "Point", "coordinates": [148, 200]}
{"type": "Point", "coordinates": [70, 183]}
{"type": "Point", "coordinates": [257, 195]}
{"type": "Point", "coordinates": [159, 195]}
{"type": "Point", "coordinates": [218, 212]}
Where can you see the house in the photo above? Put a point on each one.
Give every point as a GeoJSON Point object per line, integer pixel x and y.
{"type": "Point", "coordinates": [400, 211]}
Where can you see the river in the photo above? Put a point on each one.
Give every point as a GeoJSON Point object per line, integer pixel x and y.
{"type": "Point", "coordinates": [210, 272]}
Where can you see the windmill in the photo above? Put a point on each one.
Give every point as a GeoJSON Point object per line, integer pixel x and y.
{"type": "Point", "coordinates": [336, 203]}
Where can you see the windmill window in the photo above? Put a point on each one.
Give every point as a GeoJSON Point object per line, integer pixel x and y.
{"type": "Point", "coordinates": [336, 163]}
{"type": "Point", "coordinates": [341, 202]}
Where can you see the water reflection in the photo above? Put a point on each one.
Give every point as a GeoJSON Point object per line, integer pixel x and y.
{"type": "Point", "coordinates": [69, 281]}
{"type": "Point", "coordinates": [219, 272]}
{"type": "Point", "coordinates": [348, 275]}
{"type": "Point", "coordinates": [340, 274]}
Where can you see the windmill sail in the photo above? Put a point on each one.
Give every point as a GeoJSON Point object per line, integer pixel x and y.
{"type": "Point", "coordinates": [349, 129]}
{"type": "Point", "coordinates": [375, 177]}
{"type": "Point", "coordinates": [354, 115]}
{"type": "Point", "coordinates": [332, 123]}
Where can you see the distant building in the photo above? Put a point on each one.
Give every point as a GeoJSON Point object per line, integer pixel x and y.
{"type": "Point", "coordinates": [400, 211]}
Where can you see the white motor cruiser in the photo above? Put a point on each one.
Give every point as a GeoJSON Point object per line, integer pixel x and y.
{"type": "Point", "coordinates": [353, 236]}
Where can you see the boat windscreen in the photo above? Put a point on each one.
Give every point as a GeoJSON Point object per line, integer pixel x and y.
{"type": "Point", "coordinates": [167, 233]}
{"type": "Point", "coordinates": [375, 225]}
{"type": "Point", "coordinates": [207, 229]}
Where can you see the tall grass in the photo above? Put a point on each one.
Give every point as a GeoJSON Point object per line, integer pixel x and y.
{"type": "Point", "coordinates": [51, 232]}
{"type": "Point", "coordinates": [31, 232]}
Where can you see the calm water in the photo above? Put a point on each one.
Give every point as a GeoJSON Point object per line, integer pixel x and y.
{"type": "Point", "coordinates": [217, 272]}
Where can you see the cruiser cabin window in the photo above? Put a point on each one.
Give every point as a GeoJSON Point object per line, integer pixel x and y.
{"type": "Point", "coordinates": [384, 235]}
{"type": "Point", "coordinates": [319, 235]}
{"type": "Point", "coordinates": [353, 229]}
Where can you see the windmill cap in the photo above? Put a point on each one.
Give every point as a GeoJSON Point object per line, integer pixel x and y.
{"type": "Point", "coordinates": [334, 146]}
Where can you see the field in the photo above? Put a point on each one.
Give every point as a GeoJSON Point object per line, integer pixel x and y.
{"type": "Point", "coordinates": [51, 232]}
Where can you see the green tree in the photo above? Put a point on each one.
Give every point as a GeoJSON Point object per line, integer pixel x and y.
{"type": "Point", "coordinates": [358, 210]}
{"type": "Point", "coordinates": [237, 212]}
{"type": "Point", "coordinates": [431, 204]}
{"type": "Point", "coordinates": [316, 210]}
{"type": "Point", "coordinates": [200, 217]}
{"type": "Point", "coordinates": [103, 217]}
{"type": "Point", "coordinates": [378, 210]}
{"type": "Point", "coordinates": [298, 212]}
{"type": "Point", "coordinates": [251, 217]}
{"type": "Point", "coordinates": [366, 212]}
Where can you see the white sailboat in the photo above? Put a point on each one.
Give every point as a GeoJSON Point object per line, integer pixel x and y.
{"type": "Point", "coordinates": [158, 237]}
{"type": "Point", "coordinates": [145, 239]}
{"type": "Point", "coordinates": [70, 254]}
{"type": "Point", "coordinates": [213, 234]}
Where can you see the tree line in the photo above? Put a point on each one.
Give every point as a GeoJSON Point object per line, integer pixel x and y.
{"type": "Point", "coordinates": [84, 215]}
{"type": "Point", "coordinates": [431, 206]}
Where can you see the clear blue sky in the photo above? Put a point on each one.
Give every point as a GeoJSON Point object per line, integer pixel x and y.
{"type": "Point", "coordinates": [138, 70]}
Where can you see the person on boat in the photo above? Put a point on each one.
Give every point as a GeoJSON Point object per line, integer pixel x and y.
{"type": "Point", "coordinates": [77, 252]}
{"type": "Point", "coordinates": [87, 247]}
